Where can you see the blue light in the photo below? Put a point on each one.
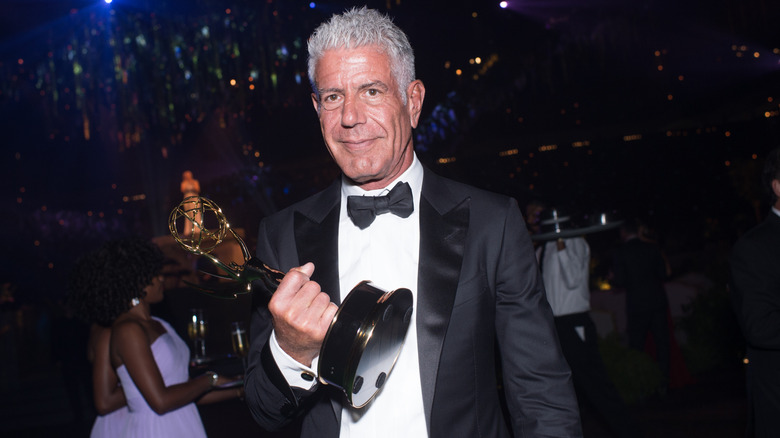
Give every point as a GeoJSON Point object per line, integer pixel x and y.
{"type": "Point", "coordinates": [108, 2]}
{"type": "Point", "coordinates": [503, 5]}
{"type": "Point", "coordinates": [312, 5]}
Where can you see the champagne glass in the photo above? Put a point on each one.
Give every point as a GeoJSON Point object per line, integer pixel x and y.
{"type": "Point", "coordinates": [196, 329]}
{"type": "Point", "coordinates": [238, 335]}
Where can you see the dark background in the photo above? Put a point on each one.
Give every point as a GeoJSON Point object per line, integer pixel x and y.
{"type": "Point", "coordinates": [659, 110]}
{"type": "Point", "coordinates": [656, 109]}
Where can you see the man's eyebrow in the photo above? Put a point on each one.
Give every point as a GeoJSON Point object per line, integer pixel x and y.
{"type": "Point", "coordinates": [322, 91]}
{"type": "Point", "coordinates": [375, 84]}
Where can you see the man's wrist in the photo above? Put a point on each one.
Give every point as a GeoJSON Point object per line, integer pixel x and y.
{"type": "Point", "coordinates": [295, 373]}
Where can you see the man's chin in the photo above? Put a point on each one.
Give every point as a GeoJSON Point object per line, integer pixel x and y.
{"type": "Point", "coordinates": [367, 182]}
{"type": "Point", "coordinates": [361, 180]}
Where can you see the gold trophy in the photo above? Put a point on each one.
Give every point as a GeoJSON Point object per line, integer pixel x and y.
{"type": "Point", "coordinates": [366, 334]}
{"type": "Point", "coordinates": [201, 212]}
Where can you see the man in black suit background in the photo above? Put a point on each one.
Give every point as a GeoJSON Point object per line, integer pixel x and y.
{"type": "Point", "coordinates": [463, 252]}
{"type": "Point", "coordinates": [755, 293]}
{"type": "Point", "coordinates": [639, 267]}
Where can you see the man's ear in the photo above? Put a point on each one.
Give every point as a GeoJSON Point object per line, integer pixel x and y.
{"type": "Point", "coordinates": [415, 94]}
{"type": "Point", "coordinates": [776, 189]}
{"type": "Point", "coordinates": [316, 102]}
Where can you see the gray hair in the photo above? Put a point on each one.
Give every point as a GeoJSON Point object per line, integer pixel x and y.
{"type": "Point", "coordinates": [360, 27]}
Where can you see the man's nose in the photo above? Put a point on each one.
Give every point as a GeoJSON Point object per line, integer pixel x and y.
{"type": "Point", "coordinates": [353, 112]}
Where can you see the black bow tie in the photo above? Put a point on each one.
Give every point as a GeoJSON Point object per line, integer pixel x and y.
{"type": "Point", "coordinates": [363, 209]}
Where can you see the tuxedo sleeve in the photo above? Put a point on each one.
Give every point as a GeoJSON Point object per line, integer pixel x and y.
{"type": "Point", "coordinates": [271, 400]}
{"type": "Point", "coordinates": [536, 377]}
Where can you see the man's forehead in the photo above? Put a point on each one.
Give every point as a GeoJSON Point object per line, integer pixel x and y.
{"type": "Point", "coordinates": [353, 67]}
{"type": "Point", "coordinates": [358, 55]}
{"type": "Point", "coordinates": [373, 48]}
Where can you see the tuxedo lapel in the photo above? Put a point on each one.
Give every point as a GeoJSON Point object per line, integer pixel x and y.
{"type": "Point", "coordinates": [316, 239]}
{"type": "Point", "coordinates": [444, 219]}
{"type": "Point", "coordinates": [316, 229]}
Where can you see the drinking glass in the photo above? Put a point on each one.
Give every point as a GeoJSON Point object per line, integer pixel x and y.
{"type": "Point", "coordinates": [240, 339]}
{"type": "Point", "coordinates": [196, 329]}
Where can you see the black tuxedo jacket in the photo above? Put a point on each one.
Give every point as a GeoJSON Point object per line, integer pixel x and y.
{"type": "Point", "coordinates": [478, 283]}
{"type": "Point", "coordinates": [755, 293]}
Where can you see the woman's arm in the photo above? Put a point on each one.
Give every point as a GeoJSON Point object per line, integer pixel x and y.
{"type": "Point", "coordinates": [106, 391]}
{"type": "Point", "coordinates": [133, 348]}
{"type": "Point", "coordinates": [222, 394]}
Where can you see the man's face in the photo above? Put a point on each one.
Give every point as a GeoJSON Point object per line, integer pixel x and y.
{"type": "Point", "coordinates": [533, 217]}
{"type": "Point", "coordinates": [365, 124]}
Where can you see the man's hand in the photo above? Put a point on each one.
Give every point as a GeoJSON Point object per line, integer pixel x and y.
{"type": "Point", "coordinates": [301, 314]}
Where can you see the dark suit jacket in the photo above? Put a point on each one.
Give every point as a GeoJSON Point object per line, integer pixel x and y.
{"type": "Point", "coordinates": [639, 267]}
{"type": "Point", "coordinates": [478, 283]}
{"type": "Point", "coordinates": [755, 293]}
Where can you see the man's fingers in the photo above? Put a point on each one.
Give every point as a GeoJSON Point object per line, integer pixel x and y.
{"type": "Point", "coordinates": [293, 281]}
{"type": "Point", "coordinates": [301, 313]}
{"type": "Point", "coordinates": [307, 269]}
{"type": "Point", "coordinates": [328, 314]}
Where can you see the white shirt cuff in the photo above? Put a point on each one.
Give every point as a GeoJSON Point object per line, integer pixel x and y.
{"type": "Point", "coordinates": [292, 370]}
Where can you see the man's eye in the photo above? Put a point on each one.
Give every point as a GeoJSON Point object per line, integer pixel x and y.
{"type": "Point", "coordinates": [331, 101]}
{"type": "Point", "coordinates": [373, 92]}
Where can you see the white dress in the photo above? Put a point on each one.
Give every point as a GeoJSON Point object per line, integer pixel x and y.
{"type": "Point", "coordinates": [111, 424]}
{"type": "Point", "coordinates": [172, 356]}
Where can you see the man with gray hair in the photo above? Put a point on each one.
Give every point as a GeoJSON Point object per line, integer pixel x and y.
{"type": "Point", "coordinates": [464, 254]}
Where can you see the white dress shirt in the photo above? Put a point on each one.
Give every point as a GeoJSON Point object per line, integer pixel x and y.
{"type": "Point", "coordinates": [387, 253]}
{"type": "Point", "coordinates": [565, 275]}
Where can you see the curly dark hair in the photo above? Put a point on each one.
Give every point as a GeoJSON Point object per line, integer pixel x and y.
{"type": "Point", "coordinates": [104, 281]}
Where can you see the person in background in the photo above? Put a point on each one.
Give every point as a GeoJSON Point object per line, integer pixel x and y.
{"type": "Point", "coordinates": [565, 267]}
{"type": "Point", "coordinates": [640, 267]}
{"type": "Point", "coordinates": [755, 294]}
{"type": "Point", "coordinates": [191, 187]}
{"type": "Point", "coordinates": [108, 397]}
{"type": "Point", "coordinates": [533, 212]}
{"type": "Point", "coordinates": [150, 360]}
{"type": "Point", "coordinates": [465, 254]}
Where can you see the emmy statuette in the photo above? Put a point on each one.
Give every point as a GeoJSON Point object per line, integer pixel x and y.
{"type": "Point", "coordinates": [366, 334]}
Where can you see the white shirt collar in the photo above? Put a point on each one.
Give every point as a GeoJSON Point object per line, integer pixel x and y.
{"type": "Point", "coordinates": [776, 211]}
{"type": "Point", "coordinates": [413, 175]}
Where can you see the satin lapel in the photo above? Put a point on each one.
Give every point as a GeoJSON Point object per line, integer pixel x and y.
{"type": "Point", "coordinates": [316, 240]}
{"type": "Point", "coordinates": [444, 220]}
